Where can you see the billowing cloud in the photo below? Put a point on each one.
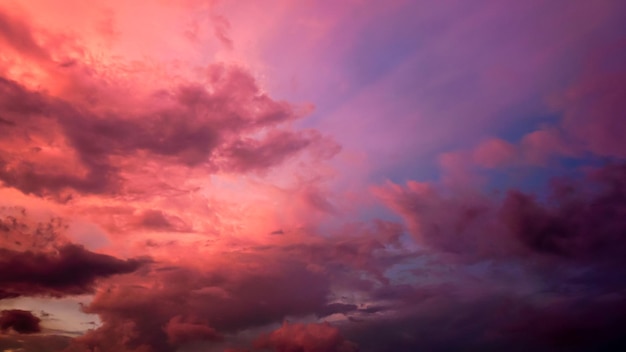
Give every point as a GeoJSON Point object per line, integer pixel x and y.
{"type": "Point", "coordinates": [187, 125]}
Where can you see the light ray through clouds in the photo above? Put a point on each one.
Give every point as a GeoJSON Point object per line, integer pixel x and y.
{"type": "Point", "coordinates": [313, 176]}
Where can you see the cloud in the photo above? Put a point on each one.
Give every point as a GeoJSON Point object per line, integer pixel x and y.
{"type": "Point", "coordinates": [251, 154]}
{"type": "Point", "coordinates": [20, 321]}
{"type": "Point", "coordinates": [589, 110]}
{"type": "Point", "coordinates": [158, 220]}
{"type": "Point", "coordinates": [212, 126]}
{"type": "Point", "coordinates": [69, 270]}
{"type": "Point", "coordinates": [581, 221]}
{"type": "Point", "coordinates": [20, 231]}
{"type": "Point", "coordinates": [19, 36]}
{"type": "Point", "coordinates": [579, 225]}
{"type": "Point", "coordinates": [306, 338]}
{"type": "Point", "coordinates": [564, 249]}
{"type": "Point", "coordinates": [178, 331]}
{"type": "Point", "coordinates": [494, 152]}
{"type": "Point", "coordinates": [162, 314]}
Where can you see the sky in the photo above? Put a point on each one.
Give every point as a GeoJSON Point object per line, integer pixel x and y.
{"type": "Point", "coordinates": [312, 176]}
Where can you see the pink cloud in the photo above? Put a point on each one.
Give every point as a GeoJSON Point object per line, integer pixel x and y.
{"type": "Point", "coordinates": [175, 142]}
{"type": "Point", "coordinates": [540, 146]}
{"type": "Point", "coordinates": [494, 153]}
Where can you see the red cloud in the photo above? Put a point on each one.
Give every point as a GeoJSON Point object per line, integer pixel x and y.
{"type": "Point", "coordinates": [18, 35]}
{"type": "Point", "coordinates": [179, 331]}
{"type": "Point", "coordinates": [306, 338]}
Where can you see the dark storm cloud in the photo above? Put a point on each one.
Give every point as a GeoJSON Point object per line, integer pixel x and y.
{"type": "Point", "coordinates": [20, 321]}
{"type": "Point", "coordinates": [70, 270]}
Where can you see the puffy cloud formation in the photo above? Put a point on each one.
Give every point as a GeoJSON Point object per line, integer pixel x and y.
{"type": "Point", "coordinates": [188, 125]}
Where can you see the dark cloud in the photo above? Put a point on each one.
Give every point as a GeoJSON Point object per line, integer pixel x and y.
{"type": "Point", "coordinates": [20, 321]}
{"type": "Point", "coordinates": [250, 154]}
{"type": "Point", "coordinates": [565, 250]}
{"type": "Point", "coordinates": [577, 224]}
{"type": "Point", "coordinates": [184, 305]}
{"type": "Point", "coordinates": [335, 308]}
{"type": "Point", "coordinates": [579, 220]}
{"type": "Point", "coordinates": [158, 220]}
{"type": "Point", "coordinates": [452, 317]}
{"type": "Point", "coordinates": [68, 270]}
